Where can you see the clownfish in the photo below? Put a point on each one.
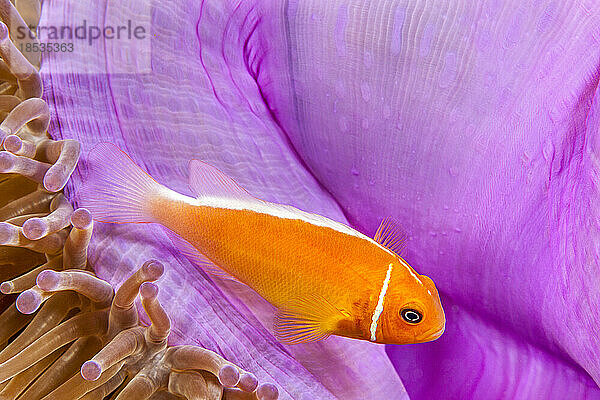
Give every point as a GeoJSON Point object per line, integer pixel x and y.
{"type": "Point", "coordinates": [324, 277]}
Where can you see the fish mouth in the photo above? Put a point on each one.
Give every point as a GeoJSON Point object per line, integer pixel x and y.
{"type": "Point", "coordinates": [430, 334]}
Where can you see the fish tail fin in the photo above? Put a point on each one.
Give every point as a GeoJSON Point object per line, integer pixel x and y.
{"type": "Point", "coordinates": [116, 189]}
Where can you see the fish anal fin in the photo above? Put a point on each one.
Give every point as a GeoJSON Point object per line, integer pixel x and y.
{"type": "Point", "coordinates": [197, 258]}
{"type": "Point", "coordinates": [307, 319]}
{"type": "Point", "coordinates": [208, 181]}
{"type": "Point", "coordinates": [390, 235]}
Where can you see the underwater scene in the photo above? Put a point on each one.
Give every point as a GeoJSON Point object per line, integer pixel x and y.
{"type": "Point", "coordinates": [299, 199]}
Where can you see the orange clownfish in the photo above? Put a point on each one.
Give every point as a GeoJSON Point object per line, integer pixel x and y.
{"type": "Point", "coordinates": [323, 277]}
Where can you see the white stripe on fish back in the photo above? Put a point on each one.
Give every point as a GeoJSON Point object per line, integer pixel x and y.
{"type": "Point", "coordinates": [379, 308]}
{"type": "Point", "coordinates": [277, 210]}
{"type": "Point", "coordinates": [281, 211]}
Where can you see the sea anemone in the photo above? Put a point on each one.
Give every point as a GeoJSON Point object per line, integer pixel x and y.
{"type": "Point", "coordinates": [66, 319]}
{"type": "Point", "coordinates": [475, 124]}
{"type": "Point", "coordinates": [68, 334]}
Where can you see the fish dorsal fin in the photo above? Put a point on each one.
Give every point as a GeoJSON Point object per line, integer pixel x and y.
{"type": "Point", "coordinates": [208, 181]}
{"type": "Point", "coordinates": [307, 319]}
{"type": "Point", "coordinates": [391, 235]}
{"type": "Point", "coordinates": [196, 257]}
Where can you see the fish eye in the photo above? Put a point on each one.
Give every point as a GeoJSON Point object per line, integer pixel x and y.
{"type": "Point", "coordinates": [411, 316]}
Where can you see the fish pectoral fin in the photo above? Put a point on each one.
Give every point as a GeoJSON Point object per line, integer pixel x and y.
{"type": "Point", "coordinates": [307, 319]}
{"type": "Point", "coordinates": [197, 258]}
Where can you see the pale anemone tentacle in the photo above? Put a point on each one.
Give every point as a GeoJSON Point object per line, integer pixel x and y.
{"type": "Point", "coordinates": [61, 210]}
{"type": "Point", "coordinates": [32, 113]}
{"type": "Point", "coordinates": [28, 279]}
{"type": "Point", "coordinates": [75, 251]}
{"type": "Point", "coordinates": [33, 201]}
{"type": "Point", "coordinates": [29, 168]}
{"type": "Point", "coordinates": [10, 14]}
{"type": "Point", "coordinates": [20, 147]}
{"type": "Point", "coordinates": [25, 77]}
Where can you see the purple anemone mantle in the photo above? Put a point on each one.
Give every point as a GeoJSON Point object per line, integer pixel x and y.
{"type": "Point", "coordinates": [476, 124]}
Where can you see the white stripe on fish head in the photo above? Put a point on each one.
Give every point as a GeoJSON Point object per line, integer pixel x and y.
{"type": "Point", "coordinates": [410, 270]}
{"type": "Point", "coordinates": [379, 308]}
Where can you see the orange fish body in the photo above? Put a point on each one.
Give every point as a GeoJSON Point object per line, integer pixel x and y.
{"type": "Point", "coordinates": [323, 276]}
